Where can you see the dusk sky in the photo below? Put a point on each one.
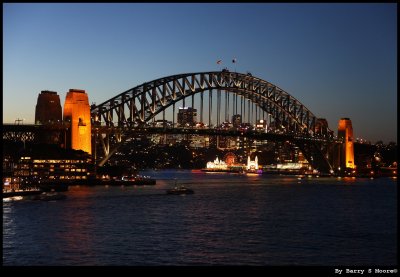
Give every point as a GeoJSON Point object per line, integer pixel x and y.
{"type": "Point", "coordinates": [339, 60]}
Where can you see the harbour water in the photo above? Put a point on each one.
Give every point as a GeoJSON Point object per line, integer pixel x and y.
{"type": "Point", "coordinates": [231, 219]}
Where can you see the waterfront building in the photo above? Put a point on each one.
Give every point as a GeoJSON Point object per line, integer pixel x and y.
{"type": "Point", "coordinates": [49, 162]}
{"type": "Point", "coordinates": [77, 115]}
{"type": "Point", "coordinates": [252, 165]}
{"type": "Point", "coordinates": [217, 164]}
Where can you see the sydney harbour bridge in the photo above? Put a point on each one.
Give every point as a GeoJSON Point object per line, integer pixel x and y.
{"type": "Point", "coordinates": [217, 97]}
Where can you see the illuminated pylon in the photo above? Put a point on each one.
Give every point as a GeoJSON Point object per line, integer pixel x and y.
{"type": "Point", "coordinates": [77, 114]}
{"type": "Point", "coordinates": [345, 132]}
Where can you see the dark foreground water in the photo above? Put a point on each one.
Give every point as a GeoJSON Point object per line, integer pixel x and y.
{"type": "Point", "coordinates": [230, 220]}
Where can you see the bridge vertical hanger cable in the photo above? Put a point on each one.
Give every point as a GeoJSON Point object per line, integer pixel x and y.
{"type": "Point", "coordinates": [236, 103]}
{"type": "Point", "coordinates": [227, 97]}
{"type": "Point", "coordinates": [173, 114]}
{"type": "Point", "coordinates": [244, 109]}
{"type": "Point", "coordinates": [249, 118]}
{"type": "Point", "coordinates": [201, 107]}
{"type": "Point", "coordinates": [218, 107]}
{"type": "Point", "coordinates": [253, 116]}
{"type": "Point", "coordinates": [233, 106]}
{"type": "Point", "coordinates": [193, 104]}
{"type": "Point", "coordinates": [226, 106]}
{"type": "Point", "coordinates": [257, 115]}
{"type": "Point", "coordinates": [210, 108]}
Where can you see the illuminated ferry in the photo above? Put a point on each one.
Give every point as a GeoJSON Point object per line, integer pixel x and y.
{"type": "Point", "coordinates": [220, 166]}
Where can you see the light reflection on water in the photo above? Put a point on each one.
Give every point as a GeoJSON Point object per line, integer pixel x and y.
{"type": "Point", "coordinates": [231, 219]}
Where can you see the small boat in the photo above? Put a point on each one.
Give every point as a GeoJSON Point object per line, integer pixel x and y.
{"type": "Point", "coordinates": [180, 190]}
{"type": "Point", "coordinates": [300, 177]}
{"type": "Point", "coordinates": [50, 196]}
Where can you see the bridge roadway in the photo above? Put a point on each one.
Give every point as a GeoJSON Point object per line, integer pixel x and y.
{"type": "Point", "coordinates": [30, 132]}
{"type": "Point", "coordinates": [33, 127]}
{"type": "Point", "coordinates": [258, 135]}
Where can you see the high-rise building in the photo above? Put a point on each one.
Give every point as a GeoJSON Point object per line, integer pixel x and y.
{"type": "Point", "coordinates": [48, 108]}
{"type": "Point", "coordinates": [261, 125]}
{"type": "Point", "coordinates": [237, 120]}
{"type": "Point", "coordinates": [187, 116]}
{"type": "Point", "coordinates": [77, 115]}
{"type": "Point", "coordinates": [346, 152]}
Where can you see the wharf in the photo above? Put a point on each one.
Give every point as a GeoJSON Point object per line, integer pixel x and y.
{"type": "Point", "coordinates": [63, 185]}
{"type": "Point", "coordinates": [126, 181]}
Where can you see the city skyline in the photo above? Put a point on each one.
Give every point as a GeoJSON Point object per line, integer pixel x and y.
{"type": "Point", "coordinates": [339, 60]}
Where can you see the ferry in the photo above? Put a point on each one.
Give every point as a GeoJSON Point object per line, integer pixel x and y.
{"type": "Point", "coordinates": [49, 196]}
{"type": "Point", "coordinates": [180, 190]}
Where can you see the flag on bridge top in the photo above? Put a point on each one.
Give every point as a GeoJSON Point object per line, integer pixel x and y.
{"type": "Point", "coordinates": [234, 60]}
{"type": "Point", "coordinates": [219, 61]}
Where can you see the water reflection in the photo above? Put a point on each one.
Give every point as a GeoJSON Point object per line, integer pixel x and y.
{"type": "Point", "coordinates": [230, 220]}
{"type": "Point", "coordinates": [75, 232]}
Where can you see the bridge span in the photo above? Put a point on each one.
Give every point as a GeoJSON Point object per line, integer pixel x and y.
{"type": "Point", "coordinates": [216, 103]}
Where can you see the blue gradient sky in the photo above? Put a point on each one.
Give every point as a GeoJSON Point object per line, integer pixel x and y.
{"type": "Point", "coordinates": [339, 60]}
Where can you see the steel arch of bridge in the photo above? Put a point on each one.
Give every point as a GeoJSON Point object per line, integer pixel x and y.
{"type": "Point", "coordinates": [133, 108]}
{"type": "Point", "coordinates": [147, 100]}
